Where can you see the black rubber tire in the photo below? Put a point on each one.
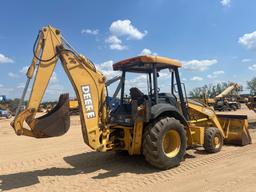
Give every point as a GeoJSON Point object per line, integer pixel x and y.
{"type": "Point", "coordinates": [152, 143]}
{"type": "Point", "coordinates": [226, 108]}
{"type": "Point", "coordinates": [234, 107]}
{"type": "Point", "coordinates": [209, 135]}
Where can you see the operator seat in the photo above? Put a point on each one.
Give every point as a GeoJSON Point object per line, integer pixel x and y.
{"type": "Point", "coordinates": [137, 95]}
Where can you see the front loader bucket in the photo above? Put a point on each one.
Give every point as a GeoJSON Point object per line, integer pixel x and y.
{"type": "Point", "coordinates": [56, 122]}
{"type": "Point", "coordinates": [235, 128]}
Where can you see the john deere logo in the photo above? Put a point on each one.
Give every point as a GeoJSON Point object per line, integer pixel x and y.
{"type": "Point", "coordinates": [87, 97]}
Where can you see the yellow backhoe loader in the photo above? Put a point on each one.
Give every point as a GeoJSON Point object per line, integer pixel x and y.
{"type": "Point", "coordinates": [158, 125]}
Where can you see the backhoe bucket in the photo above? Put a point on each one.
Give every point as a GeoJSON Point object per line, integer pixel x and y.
{"type": "Point", "coordinates": [56, 122]}
{"type": "Point", "coordinates": [235, 128]}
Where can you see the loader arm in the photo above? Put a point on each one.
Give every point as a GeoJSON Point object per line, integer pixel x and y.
{"type": "Point", "coordinates": [87, 81]}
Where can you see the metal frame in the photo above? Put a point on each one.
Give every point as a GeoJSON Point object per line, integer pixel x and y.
{"type": "Point", "coordinates": [181, 96]}
{"type": "Point", "coordinates": [150, 83]}
{"type": "Point", "coordinates": [122, 86]}
{"type": "Point", "coordinates": [175, 72]}
{"type": "Point", "coordinates": [155, 83]}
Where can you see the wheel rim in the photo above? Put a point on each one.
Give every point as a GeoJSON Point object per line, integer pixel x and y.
{"type": "Point", "coordinates": [171, 143]}
{"type": "Point", "coordinates": [216, 141]}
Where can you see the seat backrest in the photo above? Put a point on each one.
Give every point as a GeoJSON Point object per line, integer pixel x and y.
{"type": "Point", "coordinates": [135, 93]}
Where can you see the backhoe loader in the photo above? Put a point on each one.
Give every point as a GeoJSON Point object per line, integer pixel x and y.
{"type": "Point", "coordinates": [158, 125]}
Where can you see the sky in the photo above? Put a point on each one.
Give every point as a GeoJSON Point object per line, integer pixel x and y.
{"type": "Point", "coordinates": [214, 39]}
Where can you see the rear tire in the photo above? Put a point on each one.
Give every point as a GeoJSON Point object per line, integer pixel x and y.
{"type": "Point", "coordinates": [213, 140]}
{"type": "Point", "coordinates": [164, 143]}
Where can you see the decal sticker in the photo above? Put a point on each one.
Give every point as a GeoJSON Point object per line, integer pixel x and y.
{"type": "Point", "coordinates": [87, 98]}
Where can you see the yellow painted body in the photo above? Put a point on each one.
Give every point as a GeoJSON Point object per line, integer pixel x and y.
{"type": "Point", "coordinates": [89, 85]}
{"type": "Point", "coordinates": [208, 101]}
{"type": "Point", "coordinates": [81, 73]}
{"type": "Point", "coordinates": [251, 104]}
{"type": "Point", "coordinates": [232, 128]}
{"type": "Point", "coordinates": [73, 104]}
{"type": "Point", "coordinates": [73, 107]}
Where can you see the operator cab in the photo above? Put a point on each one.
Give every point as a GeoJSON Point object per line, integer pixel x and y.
{"type": "Point", "coordinates": [148, 70]}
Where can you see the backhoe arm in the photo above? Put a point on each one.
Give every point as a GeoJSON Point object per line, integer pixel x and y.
{"type": "Point", "coordinates": [89, 86]}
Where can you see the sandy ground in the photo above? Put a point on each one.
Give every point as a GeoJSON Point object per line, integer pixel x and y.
{"type": "Point", "coordinates": [67, 164]}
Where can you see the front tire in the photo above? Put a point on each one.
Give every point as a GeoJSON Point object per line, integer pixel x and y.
{"type": "Point", "coordinates": [164, 143]}
{"type": "Point", "coordinates": [213, 140]}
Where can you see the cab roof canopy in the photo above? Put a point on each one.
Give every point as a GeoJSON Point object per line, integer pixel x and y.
{"type": "Point", "coordinates": [144, 64]}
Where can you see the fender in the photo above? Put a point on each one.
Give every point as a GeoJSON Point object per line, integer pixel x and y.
{"type": "Point", "coordinates": [167, 110]}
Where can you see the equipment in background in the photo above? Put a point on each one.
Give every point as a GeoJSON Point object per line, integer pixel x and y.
{"type": "Point", "coordinates": [222, 102]}
{"type": "Point", "coordinates": [42, 108]}
{"type": "Point", "coordinates": [73, 107]}
{"type": "Point", "coordinates": [4, 109]}
{"type": "Point", "coordinates": [227, 104]}
{"type": "Point", "coordinates": [3, 98]}
{"type": "Point", "coordinates": [159, 125]}
{"type": "Point", "coordinates": [5, 113]}
{"type": "Point", "coordinates": [251, 104]}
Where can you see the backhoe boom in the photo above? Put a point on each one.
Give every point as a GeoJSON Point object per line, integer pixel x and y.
{"type": "Point", "coordinates": [87, 81]}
